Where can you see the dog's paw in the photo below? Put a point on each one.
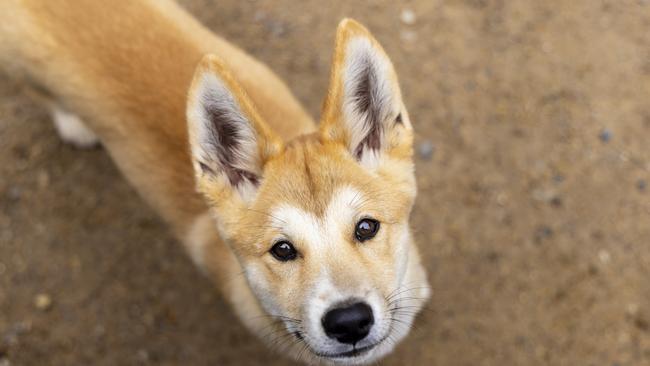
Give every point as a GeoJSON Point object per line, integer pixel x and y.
{"type": "Point", "coordinates": [72, 130]}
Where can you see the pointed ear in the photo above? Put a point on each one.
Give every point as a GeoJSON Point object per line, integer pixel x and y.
{"type": "Point", "coordinates": [364, 108]}
{"type": "Point", "coordinates": [229, 141]}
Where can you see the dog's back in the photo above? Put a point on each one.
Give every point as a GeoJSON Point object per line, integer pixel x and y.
{"type": "Point", "coordinates": [124, 67]}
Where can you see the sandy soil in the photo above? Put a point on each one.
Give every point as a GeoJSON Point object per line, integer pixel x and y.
{"type": "Point", "coordinates": [533, 212]}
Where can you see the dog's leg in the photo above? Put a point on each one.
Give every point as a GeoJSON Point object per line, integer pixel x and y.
{"type": "Point", "coordinates": [71, 128]}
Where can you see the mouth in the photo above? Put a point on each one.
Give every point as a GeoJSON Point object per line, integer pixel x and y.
{"type": "Point", "coordinates": [355, 352]}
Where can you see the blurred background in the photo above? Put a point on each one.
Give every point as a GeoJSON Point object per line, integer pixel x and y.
{"type": "Point", "coordinates": [533, 164]}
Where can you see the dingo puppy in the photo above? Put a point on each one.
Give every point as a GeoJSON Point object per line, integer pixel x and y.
{"type": "Point", "coordinates": [317, 219]}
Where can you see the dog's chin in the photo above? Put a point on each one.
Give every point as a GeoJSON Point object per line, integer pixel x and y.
{"type": "Point", "coordinates": [361, 356]}
{"type": "Point", "coordinates": [358, 356]}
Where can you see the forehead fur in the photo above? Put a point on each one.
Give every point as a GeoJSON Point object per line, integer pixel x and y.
{"type": "Point", "coordinates": [318, 231]}
{"type": "Point", "coordinates": [309, 172]}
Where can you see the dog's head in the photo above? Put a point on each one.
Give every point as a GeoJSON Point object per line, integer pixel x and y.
{"type": "Point", "coordinates": [319, 224]}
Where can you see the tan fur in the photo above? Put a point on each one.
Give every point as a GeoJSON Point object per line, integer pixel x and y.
{"type": "Point", "coordinates": [125, 69]}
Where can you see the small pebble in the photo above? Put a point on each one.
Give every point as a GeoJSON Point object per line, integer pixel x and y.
{"type": "Point", "coordinates": [642, 323]}
{"type": "Point", "coordinates": [543, 195]}
{"type": "Point", "coordinates": [10, 337]}
{"type": "Point", "coordinates": [624, 157]}
{"type": "Point", "coordinates": [21, 152]}
{"type": "Point", "coordinates": [623, 337]}
{"type": "Point", "coordinates": [408, 36]}
{"type": "Point", "coordinates": [556, 202]}
{"type": "Point", "coordinates": [143, 356]}
{"type": "Point", "coordinates": [43, 302]}
{"type": "Point", "coordinates": [14, 193]}
{"type": "Point", "coordinates": [604, 256]}
{"type": "Point", "coordinates": [502, 199]}
{"type": "Point", "coordinates": [259, 16]}
{"type": "Point", "coordinates": [492, 256]}
{"type": "Point", "coordinates": [4, 362]}
{"type": "Point", "coordinates": [407, 16]}
{"type": "Point", "coordinates": [425, 150]}
{"type": "Point", "coordinates": [641, 185]}
{"type": "Point", "coordinates": [276, 28]}
{"type": "Point", "coordinates": [605, 135]}
{"type": "Point", "coordinates": [43, 179]}
{"type": "Point", "coordinates": [543, 232]}
{"type": "Point", "coordinates": [99, 331]}
{"type": "Point", "coordinates": [632, 309]}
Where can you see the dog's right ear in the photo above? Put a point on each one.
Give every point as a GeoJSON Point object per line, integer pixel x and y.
{"type": "Point", "coordinates": [229, 141]}
{"type": "Point", "coordinates": [363, 109]}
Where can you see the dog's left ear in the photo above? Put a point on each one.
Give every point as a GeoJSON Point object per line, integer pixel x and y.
{"type": "Point", "coordinates": [364, 109]}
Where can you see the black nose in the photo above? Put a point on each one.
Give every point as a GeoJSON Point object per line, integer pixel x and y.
{"type": "Point", "coordinates": [349, 324]}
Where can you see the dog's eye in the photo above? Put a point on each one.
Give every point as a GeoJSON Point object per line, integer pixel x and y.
{"type": "Point", "coordinates": [284, 251]}
{"type": "Point", "coordinates": [366, 229]}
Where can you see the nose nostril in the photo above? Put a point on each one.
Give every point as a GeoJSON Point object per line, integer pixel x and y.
{"type": "Point", "coordinates": [348, 324]}
{"type": "Point", "coordinates": [364, 323]}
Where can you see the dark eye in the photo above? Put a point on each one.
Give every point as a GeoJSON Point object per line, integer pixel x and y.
{"type": "Point", "coordinates": [366, 229]}
{"type": "Point", "coordinates": [284, 251]}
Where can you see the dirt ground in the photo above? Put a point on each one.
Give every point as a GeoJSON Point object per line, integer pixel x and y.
{"type": "Point", "coordinates": [533, 212]}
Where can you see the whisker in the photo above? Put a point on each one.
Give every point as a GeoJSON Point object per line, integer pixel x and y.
{"type": "Point", "coordinates": [406, 301]}
{"type": "Point", "coordinates": [395, 293]}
